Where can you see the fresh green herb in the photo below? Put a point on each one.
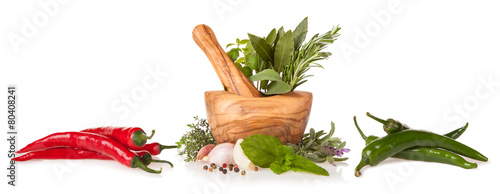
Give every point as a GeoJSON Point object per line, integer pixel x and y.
{"type": "Point", "coordinates": [268, 152]}
{"type": "Point", "coordinates": [281, 59]}
{"type": "Point", "coordinates": [195, 139]}
{"type": "Point", "coordinates": [320, 147]}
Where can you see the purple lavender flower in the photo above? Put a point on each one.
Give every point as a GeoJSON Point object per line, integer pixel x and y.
{"type": "Point", "coordinates": [340, 152]}
{"type": "Point", "coordinates": [330, 150]}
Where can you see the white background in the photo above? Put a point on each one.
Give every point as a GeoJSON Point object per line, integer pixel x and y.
{"type": "Point", "coordinates": [420, 62]}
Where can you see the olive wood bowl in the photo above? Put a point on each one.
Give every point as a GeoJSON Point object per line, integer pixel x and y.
{"type": "Point", "coordinates": [232, 117]}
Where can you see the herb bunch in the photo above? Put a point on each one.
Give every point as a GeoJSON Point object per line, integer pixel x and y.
{"type": "Point", "coordinates": [199, 136]}
{"type": "Point", "coordinates": [281, 59]}
{"type": "Point", "coordinates": [320, 147]}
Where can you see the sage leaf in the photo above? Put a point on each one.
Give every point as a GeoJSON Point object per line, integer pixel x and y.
{"type": "Point", "coordinates": [284, 51]}
{"type": "Point", "coordinates": [260, 149]}
{"type": "Point", "coordinates": [277, 87]}
{"type": "Point", "coordinates": [303, 164]}
{"type": "Point", "coordinates": [262, 48]}
{"type": "Point", "coordinates": [267, 74]}
{"type": "Point", "coordinates": [271, 36]}
{"type": "Point", "coordinates": [300, 32]}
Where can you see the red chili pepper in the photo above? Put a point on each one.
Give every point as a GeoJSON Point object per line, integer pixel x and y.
{"type": "Point", "coordinates": [132, 137]}
{"type": "Point", "coordinates": [72, 153]}
{"type": "Point", "coordinates": [92, 142]}
{"type": "Point", "coordinates": [154, 148]}
{"type": "Point", "coordinates": [62, 153]}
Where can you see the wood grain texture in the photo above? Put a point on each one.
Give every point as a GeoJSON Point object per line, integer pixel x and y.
{"type": "Point", "coordinates": [230, 76]}
{"type": "Point", "coordinates": [232, 117]}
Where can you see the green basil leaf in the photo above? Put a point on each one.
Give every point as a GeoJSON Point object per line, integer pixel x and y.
{"type": "Point", "coordinates": [277, 87]}
{"type": "Point", "coordinates": [284, 51]}
{"type": "Point", "coordinates": [246, 71]}
{"type": "Point", "coordinates": [244, 41]}
{"type": "Point", "coordinates": [230, 44]}
{"type": "Point", "coordinates": [240, 60]}
{"type": "Point", "coordinates": [260, 149]}
{"type": "Point", "coordinates": [253, 61]}
{"type": "Point", "coordinates": [233, 54]}
{"type": "Point", "coordinates": [303, 164]}
{"type": "Point", "coordinates": [262, 48]}
{"type": "Point", "coordinates": [299, 34]}
{"type": "Point", "coordinates": [284, 156]}
{"type": "Point", "coordinates": [271, 36]}
{"type": "Point", "coordinates": [267, 74]}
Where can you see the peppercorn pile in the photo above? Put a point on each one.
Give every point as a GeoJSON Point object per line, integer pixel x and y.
{"type": "Point", "coordinates": [126, 145]}
{"type": "Point", "coordinates": [403, 142]}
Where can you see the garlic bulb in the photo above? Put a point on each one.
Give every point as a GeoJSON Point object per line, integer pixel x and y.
{"type": "Point", "coordinates": [222, 153]}
{"type": "Point", "coordinates": [240, 158]}
{"type": "Point", "coordinates": [204, 151]}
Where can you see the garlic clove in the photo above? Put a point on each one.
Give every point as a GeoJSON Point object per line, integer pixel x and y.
{"type": "Point", "coordinates": [222, 153]}
{"type": "Point", "coordinates": [204, 151]}
{"type": "Point", "coordinates": [240, 158]}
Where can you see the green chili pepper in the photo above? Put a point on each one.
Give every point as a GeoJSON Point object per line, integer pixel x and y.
{"type": "Point", "coordinates": [428, 154]}
{"type": "Point", "coordinates": [385, 147]}
{"type": "Point", "coordinates": [390, 125]}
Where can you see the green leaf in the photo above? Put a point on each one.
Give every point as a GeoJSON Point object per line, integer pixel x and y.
{"type": "Point", "coordinates": [233, 54]}
{"type": "Point", "coordinates": [240, 60]}
{"type": "Point", "coordinates": [253, 61]}
{"type": "Point", "coordinates": [271, 36]}
{"type": "Point", "coordinates": [244, 41]}
{"type": "Point", "coordinates": [277, 87]}
{"type": "Point", "coordinates": [303, 164]}
{"type": "Point", "coordinates": [284, 51]}
{"type": "Point", "coordinates": [267, 74]}
{"type": "Point", "coordinates": [299, 39]}
{"type": "Point", "coordinates": [284, 156]}
{"type": "Point", "coordinates": [246, 71]}
{"type": "Point", "coordinates": [300, 32]}
{"type": "Point", "coordinates": [230, 44]}
{"type": "Point", "coordinates": [281, 31]}
{"type": "Point", "coordinates": [262, 48]}
{"type": "Point", "coordinates": [260, 149]}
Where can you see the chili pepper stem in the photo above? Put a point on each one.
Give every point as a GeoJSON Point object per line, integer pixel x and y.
{"type": "Point", "coordinates": [163, 161]}
{"type": "Point", "coordinates": [377, 119]}
{"type": "Point", "coordinates": [362, 163]}
{"type": "Point", "coordinates": [137, 163]}
{"type": "Point", "coordinates": [151, 136]}
{"type": "Point", "coordinates": [162, 147]}
{"type": "Point", "coordinates": [359, 130]}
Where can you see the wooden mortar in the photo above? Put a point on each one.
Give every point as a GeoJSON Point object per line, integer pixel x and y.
{"type": "Point", "coordinates": [232, 117]}
{"type": "Point", "coordinates": [242, 111]}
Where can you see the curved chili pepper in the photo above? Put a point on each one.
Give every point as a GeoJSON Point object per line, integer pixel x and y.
{"type": "Point", "coordinates": [132, 137]}
{"type": "Point", "coordinates": [93, 142]}
{"type": "Point", "coordinates": [428, 154]}
{"type": "Point", "coordinates": [390, 125]}
{"type": "Point", "coordinates": [154, 148]}
{"type": "Point", "coordinates": [387, 146]}
{"type": "Point", "coordinates": [62, 153]}
{"type": "Point", "coordinates": [72, 153]}
{"type": "Point", "coordinates": [148, 159]}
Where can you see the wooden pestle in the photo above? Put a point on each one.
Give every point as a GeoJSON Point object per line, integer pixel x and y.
{"type": "Point", "coordinates": [230, 76]}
